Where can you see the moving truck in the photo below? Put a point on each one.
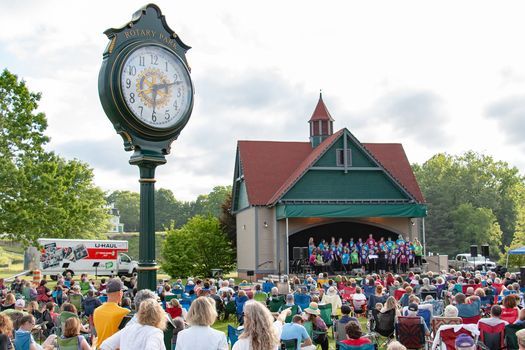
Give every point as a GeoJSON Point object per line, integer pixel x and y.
{"type": "Point", "coordinates": [91, 256]}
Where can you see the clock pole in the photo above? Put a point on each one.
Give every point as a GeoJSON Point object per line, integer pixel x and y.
{"type": "Point", "coordinates": [147, 271]}
{"type": "Point", "coordinates": [139, 55]}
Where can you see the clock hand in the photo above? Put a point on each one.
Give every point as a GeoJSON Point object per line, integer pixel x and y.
{"type": "Point", "coordinates": [165, 85]}
{"type": "Point", "coordinates": [154, 93]}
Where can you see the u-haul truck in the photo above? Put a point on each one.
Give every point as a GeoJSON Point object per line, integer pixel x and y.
{"type": "Point", "coordinates": [77, 256]}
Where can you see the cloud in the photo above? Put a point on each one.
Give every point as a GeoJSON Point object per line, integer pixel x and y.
{"type": "Point", "coordinates": [509, 113]}
{"type": "Point", "coordinates": [407, 114]}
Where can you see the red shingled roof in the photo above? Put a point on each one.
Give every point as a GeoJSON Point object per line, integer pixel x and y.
{"type": "Point", "coordinates": [394, 159]}
{"type": "Point", "coordinates": [320, 111]}
{"type": "Point", "coordinates": [271, 168]}
{"type": "Point", "coordinates": [267, 164]}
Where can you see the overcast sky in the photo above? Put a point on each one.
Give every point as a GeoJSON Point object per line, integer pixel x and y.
{"type": "Point", "coordinates": [446, 76]}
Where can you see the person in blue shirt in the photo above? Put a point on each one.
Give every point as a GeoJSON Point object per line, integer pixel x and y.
{"type": "Point", "coordinates": [345, 259]}
{"type": "Point", "coordinates": [296, 330]}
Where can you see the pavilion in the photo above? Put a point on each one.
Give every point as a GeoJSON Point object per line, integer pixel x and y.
{"type": "Point", "coordinates": [334, 185]}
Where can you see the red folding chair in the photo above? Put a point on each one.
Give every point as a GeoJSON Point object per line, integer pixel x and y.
{"type": "Point", "coordinates": [398, 293]}
{"type": "Point", "coordinates": [509, 315]}
{"type": "Point", "coordinates": [448, 336]}
{"type": "Point", "coordinates": [471, 320]}
{"type": "Point", "coordinates": [492, 336]}
{"type": "Point", "coordinates": [410, 332]}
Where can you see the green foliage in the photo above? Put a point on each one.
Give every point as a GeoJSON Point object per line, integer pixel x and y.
{"type": "Point", "coordinates": [210, 204]}
{"type": "Point", "coordinates": [228, 220]}
{"type": "Point", "coordinates": [518, 241]}
{"type": "Point", "coordinates": [128, 205]}
{"type": "Point", "coordinates": [41, 194]}
{"type": "Point", "coordinates": [491, 188]}
{"type": "Point", "coordinates": [168, 210]}
{"type": "Point", "coordinates": [196, 248]}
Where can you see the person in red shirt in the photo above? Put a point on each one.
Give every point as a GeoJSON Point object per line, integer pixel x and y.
{"type": "Point", "coordinates": [354, 335]}
{"type": "Point", "coordinates": [174, 308]}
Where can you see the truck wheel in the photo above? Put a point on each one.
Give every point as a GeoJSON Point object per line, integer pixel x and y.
{"type": "Point", "coordinates": [133, 273]}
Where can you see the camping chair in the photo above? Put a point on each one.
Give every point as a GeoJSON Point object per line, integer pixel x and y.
{"type": "Point", "coordinates": [509, 315]}
{"type": "Point", "coordinates": [486, 303]}
{"type": "Point", "coordinates": [326, 315]}
{"type": "Point", "coordinates": [439, 321]}
{"type": "Point", "coordinates": [260, 297]}
{"type": "Point", "coordinates": [374, 299]}
{"type": "Point", "coordinates": [361, 347]}
{"type": "Point", "coordinates": [471, 320]}
{"type": "Point", "coordinates": [510, 335]}
{"type": "Point", "coordinates": [294, 310]}
{"type": "Point", "coordinates": [492, 336]}
{"type": "Point", "coordinates": [311, 332]}
{"type": "Point", "coordinates": [383, 324]}
{"type": "Point", "coordinates": [233, 335]}
{"type": "Point", "coordinates": [188, 288]}
{"type": "Point", "coordinates": [410, 332]}
{"type": "Point", "coordinates": [426, 314]}
{"type": "Point", "coordinates": [369, 290]}
{"type": "Point", "coordinates": [339, 329]}
{"type": "Point", "coordinates": [303, 300]}
{"type": "Point", "coordinates": [229, 309]}
{"type": "Point", "coordinates": [425, 293]}
{"type": "Point", "coordinates": [289, 344]}
{"type": "Point", "coordinates": [359, 309]}
{"type": "Point", "coordinates": [448, 336]}
{"type": "Point", "coordinates": [76, 299]}
{"type": "Point", "coordinates": [275, 304]}
{"type": "Point", "coordinates": [72, 343]}
{"type": "Point", "coordinates": [267, 286]}
{"type": "Point", "coordinates": [398, 293]}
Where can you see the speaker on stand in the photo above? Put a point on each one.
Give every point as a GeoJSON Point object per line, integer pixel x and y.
{"type": "Point", "coordinates": [474, 254]}
{"type": "Point", "coordinates": [485, 253]}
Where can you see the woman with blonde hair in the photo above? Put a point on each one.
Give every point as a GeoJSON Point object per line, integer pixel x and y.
{"type": "Point", "coordinates": [260, 331]}
{"type": "Point", "coordinates": [9, 302]}
{"type": "Point", "coordinates": [391, 304]}
{"type": "Point", "coordinates": [145, 334]}
{"type": "Point", "coordinates": [200, 336]}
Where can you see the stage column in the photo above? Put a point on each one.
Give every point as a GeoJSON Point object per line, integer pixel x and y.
{"type": "Point", "coordinates": [287, 249]}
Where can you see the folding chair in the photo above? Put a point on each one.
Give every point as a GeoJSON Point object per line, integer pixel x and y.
{"type": "Point", "coordinates": [275, 304]}
{"type": "Point", "coordinates": [432, 293]}
{"type": "Point", "coordinates": [471, 320]}
{"type": "Point", "coordinates": [492, 336]}
{"type": "Point", "coordinates": [302, 300]}
{"type": "Point", "coordinates": [361, 347]}
{"type": "Point", "coordinates": [260, 297]}
{"type": "Point", "coordinates": [233, 335]}
{"type": "Point", "coordinates": [448, 335]}
{"type": "Point", "coordinates": [510, 335]}
{"type": "Point", "coordinates": [289, 344]}
{"type": "Point", "coordinates": [410, 332]}
{"type": "Point", "coordinates": [294, 310]}
{"type": "Point", "coordinates": [509, 315]}
{"type": "Point", "coordinates": [267, 286]}
{"type": "Point", "coordinates": [438, 321]}
{"type": "Point", "coordinates": [383, 324]}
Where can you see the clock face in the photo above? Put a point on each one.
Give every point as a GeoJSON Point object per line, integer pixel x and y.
{"type": "Point", "coordinates": [156, 86]}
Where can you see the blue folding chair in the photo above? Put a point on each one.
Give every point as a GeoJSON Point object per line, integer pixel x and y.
{"type": "Point", "coordinates": [267, 286]}
{"type": "Point", "coordinates": [302, 300]}
{"type": "Point", "coordinates": [361, 347]}
{"type": "Point", "coordinates": [188, 288]}
{"type": "Point", "coordinates": [233, 335]}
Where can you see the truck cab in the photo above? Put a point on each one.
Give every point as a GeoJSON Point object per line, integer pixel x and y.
{"type": "Point", "coordinates": [126, 266]}
{"type": "Point", "coordinates": [467, 262]}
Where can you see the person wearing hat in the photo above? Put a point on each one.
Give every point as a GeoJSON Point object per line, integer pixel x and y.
{"type": "Point", "coordinates": [312, 314]}
{"type": "Point", "coordinates": [412, 312]}
{"type": "Point", "coordinates": [331, 297]}
{"type": "Point", "coordinates": [20, 304]}
{"type": "Point", "coordinates": [109, 315]}
{"type": "Point", "coordinates": [465, 342]}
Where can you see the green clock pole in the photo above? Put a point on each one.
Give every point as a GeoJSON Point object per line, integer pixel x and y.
{"type": "Point", "coordinates": [147, 271]}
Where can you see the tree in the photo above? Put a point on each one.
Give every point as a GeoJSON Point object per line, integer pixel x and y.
{"type": "Point", "coordinates": [41, 194]}
{"type": "Point", "coordinates": [475, 226]}
{"type": "Point", "coordinates": [196, 248]}
{"type": "Point", "coordinates": [128, 205]}
{"type": "Point", "coordinates": [228, 221]}
{"type": "Point", "coordinates": [210, 204]}
{"type": "Point", "coordinates": [518, 241]}
{"type": "Point", "coordinates": [450, 181]}
{"type": "Point", "coordinates": [165, 209]}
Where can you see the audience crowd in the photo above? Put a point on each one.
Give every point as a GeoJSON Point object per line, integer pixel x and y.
{"type": "Point", "coordinates": [445, 310]}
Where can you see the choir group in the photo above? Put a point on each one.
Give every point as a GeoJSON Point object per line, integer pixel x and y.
{"type": "Point", "coordinates": [371, 255]}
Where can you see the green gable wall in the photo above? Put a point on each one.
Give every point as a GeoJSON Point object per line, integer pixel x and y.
{"type": "Point", "coordinates": [243, 196]}
{"type": "Point", "coordinates": [334, 184]}
{"type": "Point", "coordinates": [359, 158]}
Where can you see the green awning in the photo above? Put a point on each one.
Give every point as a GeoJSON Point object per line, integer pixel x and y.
{"type": "Point", "coordinates": [412, 210]}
